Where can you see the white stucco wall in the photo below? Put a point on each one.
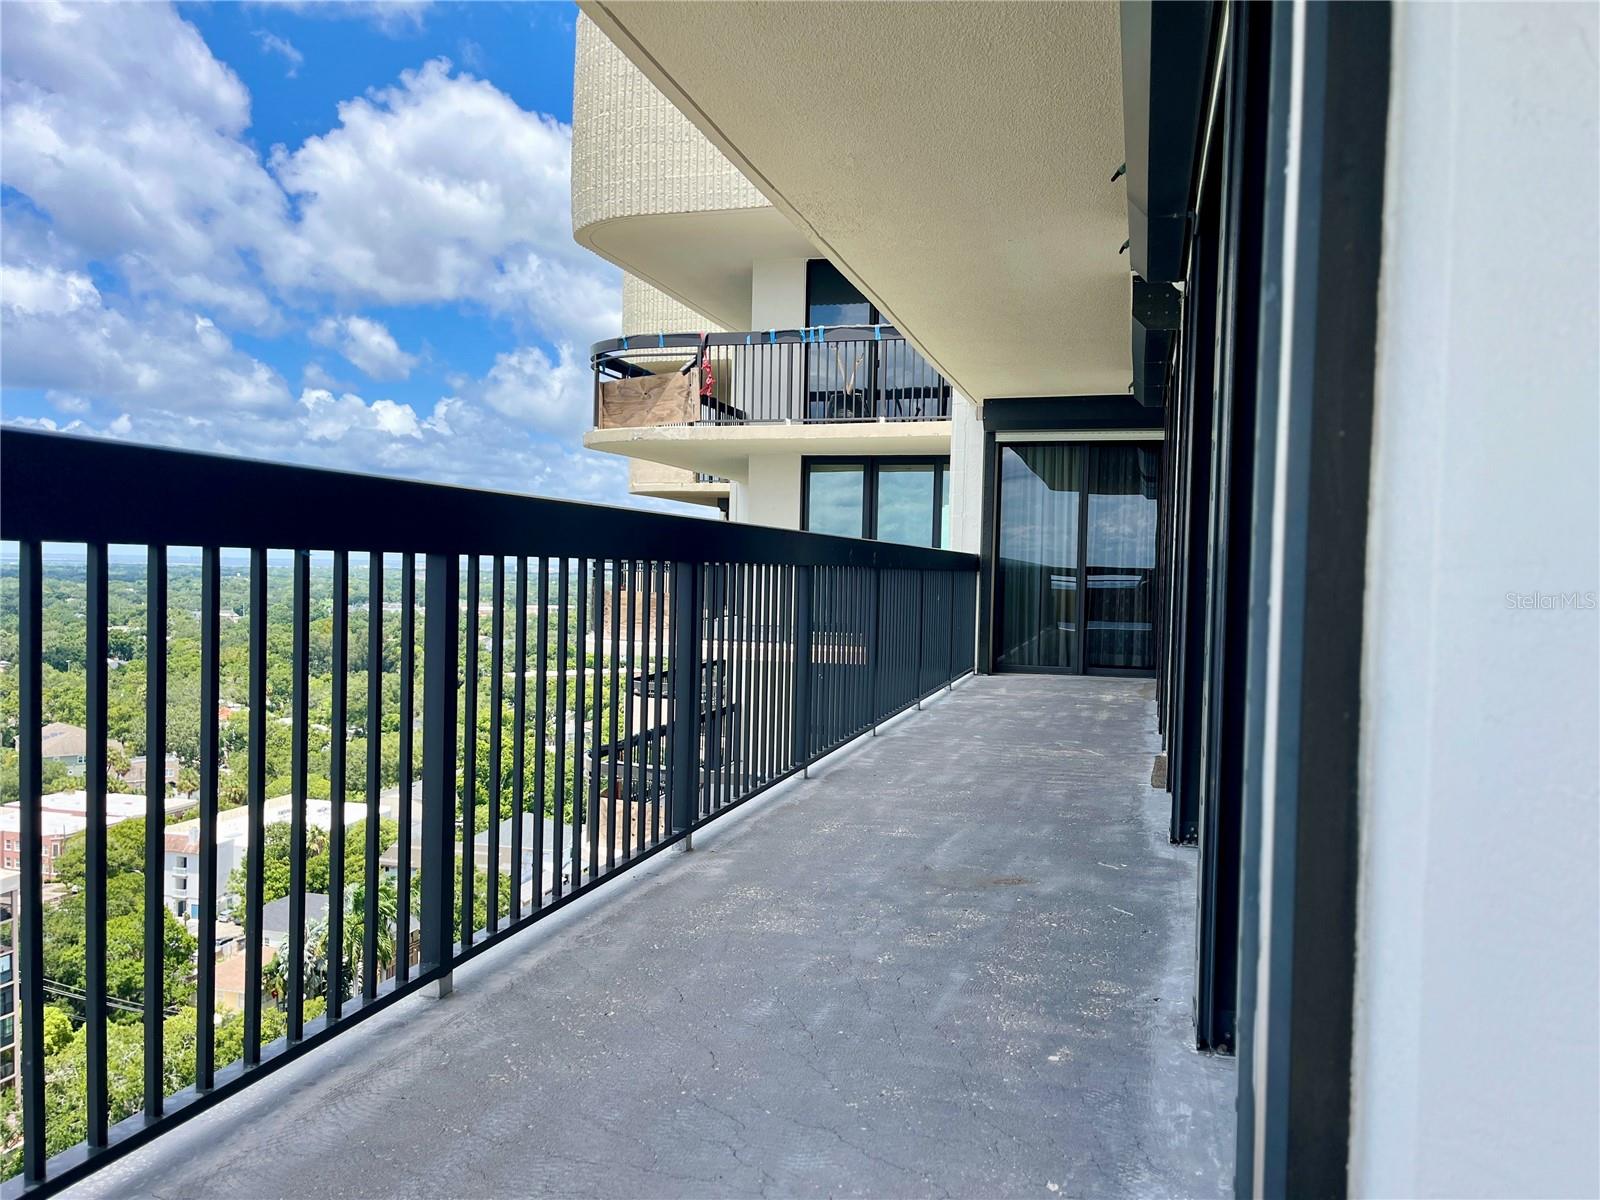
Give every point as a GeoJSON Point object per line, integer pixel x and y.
{"type": "Point", "coordinates": [772, 496]}
{"type": "Point", "coordinates": [966, 475]}
{"type": "Point", "coordinates": [778, 293]}
{"type": "Point", "coordinates": [1476, 1069]}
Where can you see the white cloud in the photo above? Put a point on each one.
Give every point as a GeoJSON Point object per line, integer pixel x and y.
{"type": "Point", "coordinates": [367, 344]}
{"type": "Point", "coordinates": [45, 291]}
{"type": "Point", "coordinates": [121, 125]}
{"type": "Point", "coordinates": [271, 43]}
{"type": "Point", "coordinates": [554, 397]}
{"type": "Point", "coordinates": [62, 336]}
{"type": "Point", "coordinates": [393, 17]}
{"type": "Point", "coordinates": [330, 419]}
{"type": "Point", "coordinates": [441, 189]}
{"type": "Point", "coordinates": [129, 140]}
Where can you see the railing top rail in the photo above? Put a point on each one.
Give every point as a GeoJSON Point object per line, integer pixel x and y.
{"type": "Point", "coordinates": [641, 342]}
{"type": "Point", "coordinates": [63, 488]}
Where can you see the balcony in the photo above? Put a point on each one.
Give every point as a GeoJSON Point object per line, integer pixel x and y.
{"type": "Point", "coordinates": [626, 679]}
{"type": "Point", "coordinates": [710, 403]}
{"type": "Point", "coordinates": [955, 960]}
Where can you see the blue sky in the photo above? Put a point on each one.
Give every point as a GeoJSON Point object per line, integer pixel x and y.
{"type": "Point", "coordinates": [329, 233]}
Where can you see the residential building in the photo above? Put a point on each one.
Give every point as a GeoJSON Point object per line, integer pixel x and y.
{"type": "Point", "coordinates": [275, 923]}
{"type": "Point", "coordinates": [817, 414]}
{"type": "Point", "coordinates": [65, 744]}
{"type": "Point", "coordinates": [62, 817]}
{"type": "Point", "coordinates": [9, 881]}
{"type": "Point", "coordinates": [389, 860]}
{"type": "Point", "coordinates": [137, 771]}
{"type": "Point", "coordinates": [181, 878]}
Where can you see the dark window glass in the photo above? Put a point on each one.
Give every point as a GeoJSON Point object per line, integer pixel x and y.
{"type": "Point", "coordinates": [835, 498]}
{"type": "Point", "coordinates": [831, 299]}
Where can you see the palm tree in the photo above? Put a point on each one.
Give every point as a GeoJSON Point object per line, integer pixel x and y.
{"type": "Point", "coordinates": [355, 930]}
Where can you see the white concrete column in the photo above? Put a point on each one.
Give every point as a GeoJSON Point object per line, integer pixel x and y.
{"type": "Point", "coordinates": [1476, 1065]}
{"type": "Point", "coordinates": [966, 475]}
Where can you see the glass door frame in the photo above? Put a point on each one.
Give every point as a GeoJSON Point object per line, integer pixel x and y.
{"type": "Point", "coordinates": [993, 508]}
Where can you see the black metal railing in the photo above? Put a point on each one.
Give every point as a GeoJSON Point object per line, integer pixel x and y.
{"type": "Point", "coordinates": [842, 373]}
{"type": "Point", "coordinates": [576, 686]}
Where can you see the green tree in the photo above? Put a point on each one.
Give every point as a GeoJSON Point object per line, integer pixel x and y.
{"type": "Point", "coordinates": [57, 1029]}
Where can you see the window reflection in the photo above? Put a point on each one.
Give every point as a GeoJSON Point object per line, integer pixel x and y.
{"type": "Point", "coordinates": [893, 500]}
{"type": "Point", "coordinates": [835, 496]}
{"type": "Point", "coordinates": [905, 504]}
{"type": "Point", "coordinates": [1060, 609]}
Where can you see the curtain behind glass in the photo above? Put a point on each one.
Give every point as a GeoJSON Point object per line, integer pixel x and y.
{"type": "Point", "coordinates": [1037, 556]}
{"type": "Point", "coordinates": [1121, 558]}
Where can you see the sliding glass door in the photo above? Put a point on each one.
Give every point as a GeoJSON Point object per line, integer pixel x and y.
{"type": "Point", "coordinates": [1036, 557]}
{"type": "Point", "coordinates": [1075, 557]}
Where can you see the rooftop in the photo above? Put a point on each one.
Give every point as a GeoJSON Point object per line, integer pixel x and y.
{"type": "Point", "coordinates": [957, 959]}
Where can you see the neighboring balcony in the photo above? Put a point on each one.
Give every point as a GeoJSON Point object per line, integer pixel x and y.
{"type": "Point", "coordinates": [675, 483]}
{"type": "Point", "coordinates": [709, 403]}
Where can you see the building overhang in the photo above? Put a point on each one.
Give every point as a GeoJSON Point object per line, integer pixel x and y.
{"type": "Point", "coordinates": [1164, 48]}
{"type": "Point", "coordinates": [700, 259]}
{"type": "Point", "coordinates": [956, 162]}
{"type": "Point", "coordinates": [726, 450]}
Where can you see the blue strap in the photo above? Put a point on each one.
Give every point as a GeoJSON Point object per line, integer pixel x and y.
{"type": "Point", "coordinates": [747, 339]}
{"type": "Point", "coordinates": [877, 333]}
{"type": "Point", "coordinates": [624, 343]}
{"type": "Point", "coordinates": [661, 341]}
{"type": "Point", "coordinates": [772, 335]}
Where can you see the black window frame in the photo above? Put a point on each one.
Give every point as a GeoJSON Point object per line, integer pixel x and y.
{"type": "Point", "coordinates": [871, 465]}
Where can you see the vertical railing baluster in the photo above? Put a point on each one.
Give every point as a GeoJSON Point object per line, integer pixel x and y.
{"type": "Point", "coordinates": [874, 603]}
{"type": "Point", "coordinates": [519, 737]}
{"type": "Point", "coordinates": [917, 625]}
{"type": "Point", "coordinates": [298, 787]}
{"type": "Point", "coordinates": [541, 695]}
{"type": "Point", "coordinates": [598, 703]}
{"type": "Point", "coordinates": [802, 666]}
{"type": "Point", "coordinates": [659, 740]}
{"type": "Point", "coordinates": [30, 781]}
{"type": "Point", "coordinates": [469, 753]}
{"type": "Point", "coordinates": [155, 821]}
{"type": "Point", "coordinates": [612, 714]}
{"type": "Point", "coordinates": [580, 688]}
{"type": "Point", "coordinates": [497, 668]}
{"type": "Point", "coordinates": [205, 993]}
{"type": "Point", "coordinates": [337, 774]}
{"type": "Point", "coordinates": [255, 802]}
{"type": "Point", "coordinates": [685, 682]}
{"type": "Point", "coordinates": [440, 679]}
{"type": "Point", "coordinates": [94, 892]}
{"type": "Point", "coordinates": [374, 847]}
{"type": "Point", "coordinates": [949, 658]}
{"type": "Point", "coordinates": [630, 797]}
{"type": "Point", "coordinates": [408, 679]}
{"type": "Point", "coordinates": [560, 719]}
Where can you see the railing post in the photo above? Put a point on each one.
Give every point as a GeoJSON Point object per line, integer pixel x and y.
{"type": "Point", "coordinates": [686, 688]}
{"type": "Point", "coordinates": [922, 630]}
{"type": "Point", "coordinates": [802, 667]}
{"type": "Point", "coordinates": [439, 678]}
{"type": "Point", "coordinates": [872, 648]}
{"type": "Point", "coordinates": [950, 642]}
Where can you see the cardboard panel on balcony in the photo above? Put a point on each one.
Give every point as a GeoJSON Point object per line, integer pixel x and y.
{"type": "Point", "coordinates": [669, 399]}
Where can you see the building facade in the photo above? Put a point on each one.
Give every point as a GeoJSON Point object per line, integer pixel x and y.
{"type": "Point", "coordinates": [1226, 302]}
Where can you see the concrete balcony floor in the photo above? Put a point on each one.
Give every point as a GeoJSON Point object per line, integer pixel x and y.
{"type": "Point", "coordinates": [956, 961]}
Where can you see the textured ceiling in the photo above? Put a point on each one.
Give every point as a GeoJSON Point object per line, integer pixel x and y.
{"type": "Point", "coordinates": [954, 159]}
